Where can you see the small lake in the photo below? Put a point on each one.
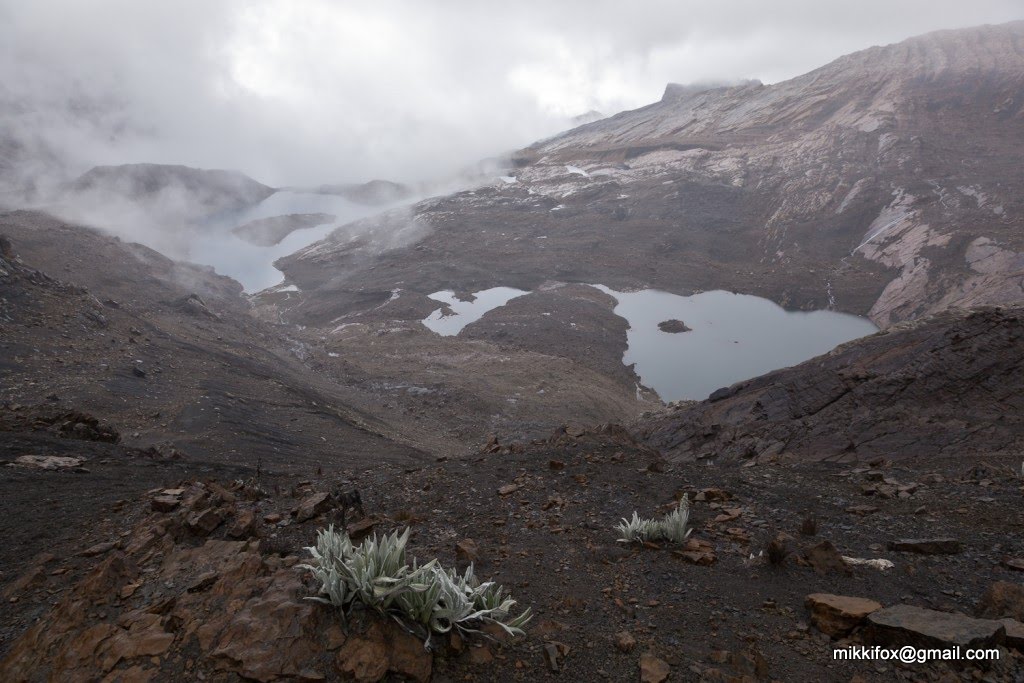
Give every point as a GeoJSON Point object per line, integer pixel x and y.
{"type": "Point", "coordinates": [466, 312]}
{"type": "Point", "coordinates": [732, 337]}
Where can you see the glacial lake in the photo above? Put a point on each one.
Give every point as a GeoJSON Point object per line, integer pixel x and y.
{"type": "Point", "coordinates": [732, 337]}
{"type": "Point", "coordinates": [466, 312]}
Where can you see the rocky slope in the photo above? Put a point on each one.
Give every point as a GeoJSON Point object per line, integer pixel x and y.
{"type": "Point", "coordinates": [885, 183]}
{"type": "Point", "coordinates": [199, 579]}
{"type": "Point", "coordinates": [950, 384]}
{"type": "Point", "coordinates": [211, 367]}
{"type": "Point", "coordinates": [167, 351]}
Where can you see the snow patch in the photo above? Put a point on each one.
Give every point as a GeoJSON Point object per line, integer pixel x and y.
{"type": "Point", "coordinates": [851, 195]}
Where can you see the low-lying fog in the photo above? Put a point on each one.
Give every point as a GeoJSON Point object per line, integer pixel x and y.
{"type": "Point", "coordinates": [253, 265]}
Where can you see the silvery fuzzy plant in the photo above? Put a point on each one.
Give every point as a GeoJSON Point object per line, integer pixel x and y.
{"type": "Point", "coordinates": [671, 527]}
{"type": "Point", "coordinates": [376, 574]}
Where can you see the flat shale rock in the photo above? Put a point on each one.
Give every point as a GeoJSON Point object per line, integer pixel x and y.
{"type": "Point", "coordinates": [908, 625]}
{"type": "Point", "coordinates": [927, 546]}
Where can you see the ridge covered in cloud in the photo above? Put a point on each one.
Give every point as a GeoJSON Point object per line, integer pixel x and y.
{"type": "Point", "coordinates": [312, 91]}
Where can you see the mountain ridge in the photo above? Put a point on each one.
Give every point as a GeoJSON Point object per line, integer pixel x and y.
{"type": "Point", "coordinates": [827, 190]}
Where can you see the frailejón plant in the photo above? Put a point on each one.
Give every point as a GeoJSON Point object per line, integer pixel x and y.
{"type": "Point", "coordinates": [376, 574]}
{"type": "Point", "coordinates": [671, 527]}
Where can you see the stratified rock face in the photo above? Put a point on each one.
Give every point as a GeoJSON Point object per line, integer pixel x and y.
{"type": "Point", "coordinates": [952, 384]}
{"type": "Point", "coordinates": [885, 183]}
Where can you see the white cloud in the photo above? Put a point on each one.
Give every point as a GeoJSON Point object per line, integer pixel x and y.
{"type": "Point", "coordinates": [307, 91]}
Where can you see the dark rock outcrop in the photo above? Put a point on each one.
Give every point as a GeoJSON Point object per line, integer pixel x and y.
{"type": "Point", "coordinates": [837, 615]}
{"type": "Point", "coordinates": [951, 384]}
{"type": "Point", "coordinates": [673, 326]}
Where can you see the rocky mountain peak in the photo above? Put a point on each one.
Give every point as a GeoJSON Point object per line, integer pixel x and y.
{"type": "Point", "coordinates": [980, 51]}
{"type": "Point", "coordinates": [677, 92]}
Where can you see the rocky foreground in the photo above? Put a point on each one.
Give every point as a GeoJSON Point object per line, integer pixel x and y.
{"type": "Point", "coordinates": [199, 580]}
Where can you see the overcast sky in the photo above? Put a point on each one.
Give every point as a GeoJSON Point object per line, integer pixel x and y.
{"type": "Point", "coordinates": [303, 91]}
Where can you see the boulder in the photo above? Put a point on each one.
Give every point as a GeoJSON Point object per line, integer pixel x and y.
{"type": "Point", "coordinates": [927, 546]}
{"type": "Point", "coordinates": [653, 669]}
{"type": "Point", "coordinates": [313, 506]}
{"type": "Point", "coordinates": [624, 641]}
{"type": "Point", "coordinates": [1014, 633]}
{"type": "Point", "coordinates": [837, 615]}
{"type": "Point", "coordinates": [361, 528]}
{"type": "Point", "coordinates": [554, 653]}
{"type": "Point", "coordinates": [466, 551]}
{"type": "Point", "coordinates": [245, 524]}
{"type": "Point", "coordinates": [908, 625]}
{"type": "Point", "coordinates": [698, 552]}
{"type": "Point", "coordinates": [825, 559]}
{"type": "Point", "coordinates": [205, 522]}
{"type": "Point", "coordinates": [673, 326]}
{"type": "Point", "coordinates": [1002, 599]}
